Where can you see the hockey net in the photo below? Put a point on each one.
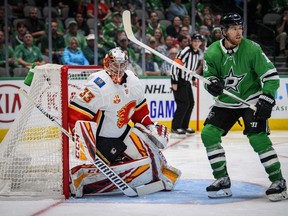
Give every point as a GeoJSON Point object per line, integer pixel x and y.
{"type": "Point", "coordinates": [35, 156]}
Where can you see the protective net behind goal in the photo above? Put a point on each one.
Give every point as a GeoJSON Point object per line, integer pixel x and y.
{"type": "Point", "coordinates": [35, 156]}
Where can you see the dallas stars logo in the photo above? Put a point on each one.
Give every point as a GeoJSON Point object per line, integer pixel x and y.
{"type": "Point", "coordinates": [232, 81]}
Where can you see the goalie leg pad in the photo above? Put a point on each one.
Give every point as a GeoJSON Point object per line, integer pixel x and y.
{"type": "Point", "coordinates": [170, 176]}
{"type": "Point", "coordinates": [86, 179]}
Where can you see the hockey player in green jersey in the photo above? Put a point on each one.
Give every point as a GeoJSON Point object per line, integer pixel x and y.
{"type": "Point", "coordinates": [240, 66]}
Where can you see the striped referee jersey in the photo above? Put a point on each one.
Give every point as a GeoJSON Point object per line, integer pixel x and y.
{"type": "Point", "coordinates": [189, 59]}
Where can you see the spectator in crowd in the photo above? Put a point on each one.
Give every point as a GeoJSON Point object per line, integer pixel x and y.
{"type": "Point", "coordinates": [204, 31]}
{"type": "Point", "coordinates": [203, 47]}
{"type": "Point", "coordinates": [183, 41]}
{"type": "Point", "coordinates": [158, 35]}
{"type": "Point", "coordinates": [16, 7]}
{"type": "Point", "coordinates": [153, 44]}
{"type": "Point", "coordinates": [73, 32]}
{"type": "Point", "coordinates": [2, 17]}
{"type": "Point", "coordinates": [103, 10]}
{"type": "Point", "coordinates": [151, 67]}
{"type": "Point", "coordinates": [134, 67]}
{"type": "Point", "coordinates": [55, 18]}
{"type": "Point", "coordinates": [83, 28]}
{"type": "Point", "coordinates": [35, 26]}
{"type": "Point", "coordinates": [138, 35]}
{"type": "Point", "coordinates": [190, 57]}
{"type": "Point", "coordinates": [134, 22]}
{"type": "Point", "coordinates": [216, 34]}
{"type": "Point", "coordinates": [176, 8]}
{"type": "Point", "coordinates": [206, 11]}
{"type": "Point", "coordinates": [2, 23]}
{"type": "Point", "coordinates": [185, 32]}
{"type": "Point", "coordinates": [110, 29]}
{"type": "Point", "coordinates": [154, 23]}
{"type": "Point", "coordinates": [165, 68]}
{"type": "Point", "coordinates": [123, 43]}
{"type": "Point", "coordinates": [60, 5]}
{"type": "Point", "coordinates": [217, 19]}
{"type": "Point", "coordinates": [174, 29]}
{"type": "Point", "coordinates": [27, 54]}
{"type": "Point", "coordinates": [12, 62]}
{"type": "Point", "coordinates": [282, 30]}
{"type": "Point", "coordinates": [18, 37]}
{"type": "Point", "coordinates": [186, 22]}
{"type": "Point", "coordinates": [88, 51]}
{"type": "Point", "coordinates": [73, 55]}
{"type": "Point", "coordinates": [207, 21]}
{"type": "Point", "coordinates": [152, 5]}
{"type": "Point", "coordinates": [117, 7]}
{"type": "Point", "coordinates": [58, 44]}
{"type": "Point", "coordinates": [164, 48]}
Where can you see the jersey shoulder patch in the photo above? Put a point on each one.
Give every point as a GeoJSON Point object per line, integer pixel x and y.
{"type": "Point", "coordinates": [99, 82]}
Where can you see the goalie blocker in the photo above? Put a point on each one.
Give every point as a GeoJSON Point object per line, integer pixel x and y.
{"type": "Point", "coordinates": [141, 165]}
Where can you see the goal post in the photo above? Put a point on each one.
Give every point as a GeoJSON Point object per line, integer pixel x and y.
{"type": "Point", "coordinates": [34, 155]}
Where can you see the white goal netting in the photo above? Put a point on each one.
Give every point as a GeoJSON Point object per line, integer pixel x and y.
{"type": "Point", "coordinates": [31, 154]}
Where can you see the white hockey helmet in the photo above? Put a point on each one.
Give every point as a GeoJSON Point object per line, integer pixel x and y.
{"type": "Point", "coordinates": [115, 63]}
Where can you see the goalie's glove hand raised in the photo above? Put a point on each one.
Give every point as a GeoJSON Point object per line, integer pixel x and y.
{"type": "Point", "coordinates": [216, 87]}
{"type": "Point", "coordinates": [264, 107]}
{"type": "Point", "coordinates": [157, 133]}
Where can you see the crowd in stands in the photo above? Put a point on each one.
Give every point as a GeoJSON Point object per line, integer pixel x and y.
{"type": "Point", "coordinates": [168, 29]}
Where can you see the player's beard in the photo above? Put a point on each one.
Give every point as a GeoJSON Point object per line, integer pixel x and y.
{"type": "Point", "coordinates": [233, 42]}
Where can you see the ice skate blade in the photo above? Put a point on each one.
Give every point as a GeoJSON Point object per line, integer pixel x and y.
{"type": "Point", "coordinates": [220, 194]}
{"type": "Point", "coordinates": [189, 134]}
{"type": "Point", "coordinates": [278, 197]}
{"type": "Point", "coordinates": [177, 136]}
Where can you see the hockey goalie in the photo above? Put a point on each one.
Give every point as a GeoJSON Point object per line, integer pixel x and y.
{"type": "Point", "coordinates": [111, 99]}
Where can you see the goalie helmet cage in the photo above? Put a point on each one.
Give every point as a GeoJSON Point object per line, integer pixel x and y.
{"type": "Point", "coordinates": [34, 155]}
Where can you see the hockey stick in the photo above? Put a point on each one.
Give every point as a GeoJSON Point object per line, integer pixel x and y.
{"type": "Point", "coordinates": [128, 29]}
{"type": "Point", "coordinates": [99, 164]}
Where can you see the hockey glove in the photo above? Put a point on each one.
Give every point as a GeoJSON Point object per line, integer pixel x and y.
{"type": "Point", "coordinates": [264, 107]}
{"type": "Point", "coordinates": [157, 133]}
{"type": "Point", "coordinates": [216, 87]}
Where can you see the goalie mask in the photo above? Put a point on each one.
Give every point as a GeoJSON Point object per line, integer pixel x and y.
{"type": "Point", "coordinates": [115, 63]}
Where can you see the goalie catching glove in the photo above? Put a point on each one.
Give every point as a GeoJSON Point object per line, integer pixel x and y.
{"type": "Point", "coordinates": [264, 107]}
{"type": "Point", "coordinates": [216, 87]}
{"type": "Point", "coordinates": [157, 133]}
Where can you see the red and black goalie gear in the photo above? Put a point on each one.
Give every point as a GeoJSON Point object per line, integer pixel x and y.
{"type": "Point", "coordinates": [141, 114]}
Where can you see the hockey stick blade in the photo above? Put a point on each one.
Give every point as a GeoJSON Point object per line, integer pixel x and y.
{"type": "Point", "coordinates": [99, 164]}
{"type": "Point", "coordinates": [126, 17]}
{"type": "Point", "coordinates": [150, 188]}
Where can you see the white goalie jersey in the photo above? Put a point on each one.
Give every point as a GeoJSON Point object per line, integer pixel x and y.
{"type": "Point", "coordinates": [110, 105]}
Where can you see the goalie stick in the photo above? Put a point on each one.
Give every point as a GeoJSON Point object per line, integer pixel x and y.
{"type": "Point", "coordinates": [128, 29]}
{"type": "Point", "coordinates": [100, 164]}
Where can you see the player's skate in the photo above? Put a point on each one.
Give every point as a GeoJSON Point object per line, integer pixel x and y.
{"type": "Point", "coordinates": [220, 188]}
{"type": "Point", "coordinates": [277, 191]}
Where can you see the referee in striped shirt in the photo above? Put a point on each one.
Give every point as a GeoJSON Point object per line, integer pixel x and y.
{"type": "Point", "coordinates": [190, 57]}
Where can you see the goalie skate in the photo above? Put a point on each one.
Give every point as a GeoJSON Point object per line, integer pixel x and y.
{"type": "Point", "coordinates": [277, 191]}
{"type": "Point", "coordinates": [220, 188]}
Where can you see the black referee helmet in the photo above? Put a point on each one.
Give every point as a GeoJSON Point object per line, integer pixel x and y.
{"type": "Point", "coordinates": [197, 36]}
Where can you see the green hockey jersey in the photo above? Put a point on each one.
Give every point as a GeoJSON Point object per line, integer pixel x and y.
{"type": "Point", "coordinates": [245, 71]}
